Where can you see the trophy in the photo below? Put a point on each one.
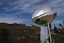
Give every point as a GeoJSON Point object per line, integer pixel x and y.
{"type": "Point", "coordinates": [44, 17]}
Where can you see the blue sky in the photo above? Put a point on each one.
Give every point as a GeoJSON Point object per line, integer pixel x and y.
{"type": "Point", "coordinates": [21, 11]}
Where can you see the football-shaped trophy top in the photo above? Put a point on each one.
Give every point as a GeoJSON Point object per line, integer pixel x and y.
{"type": "Point", "coordinates": [43, 16]}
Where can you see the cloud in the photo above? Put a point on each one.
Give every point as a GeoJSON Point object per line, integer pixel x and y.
{"type": "Point", "coordinates": [11, 20]}
{"type": "Point", "coordinates": [57, 22]}
{"type": "Point", "coordinates": [1, 3]}
{"type": "Point", "coordinates": [30, 6]}
{"type": "Point", "coordinates": [58, 6]}
{"type": "Point", "coordinates": [25, 5]}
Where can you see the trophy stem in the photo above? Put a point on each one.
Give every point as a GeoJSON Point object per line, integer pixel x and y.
{"type": "Point", "coordinates": [49, 30]}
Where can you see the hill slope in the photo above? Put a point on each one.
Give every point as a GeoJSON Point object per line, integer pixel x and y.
{"type": "Point", "coordinates": [19, 33]}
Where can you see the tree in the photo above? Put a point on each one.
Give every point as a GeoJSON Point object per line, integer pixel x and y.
{"type": "Point", "coordinates": [55, 28]}
{"type": "Point", "coordinates": [60, 26]}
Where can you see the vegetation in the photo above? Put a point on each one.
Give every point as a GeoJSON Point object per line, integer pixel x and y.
{"type": "Point", "coordinates": [19, 33]}
{"type": "Point", "coordinates": [58, 34]}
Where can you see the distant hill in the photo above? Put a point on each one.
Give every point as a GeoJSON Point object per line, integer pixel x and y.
{"type": "Point", "coordinates": [19, 33]}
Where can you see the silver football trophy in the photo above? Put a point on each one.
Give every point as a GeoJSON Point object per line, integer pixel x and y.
{"type": "Point", "coordinates": [44, 17]}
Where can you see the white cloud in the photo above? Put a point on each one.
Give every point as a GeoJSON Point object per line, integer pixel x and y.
{"type": "Point", "coordinates": [11, 20]}
{"type": "Point", "coordinates": [1, 3]}
{"type": "Point", "coordinates": [58, 6]}
{"type": "Point", "coordinates": [25, 5]}
{"type": "Point", "coordinates": [57, 22]}
{"type": "Point", "coordinates": [29, 7]}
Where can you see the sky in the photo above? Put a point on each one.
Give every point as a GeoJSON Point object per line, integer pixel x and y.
{"type": "Point", "coordinates": [21, 11]}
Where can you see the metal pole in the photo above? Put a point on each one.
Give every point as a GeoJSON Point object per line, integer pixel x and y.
{"type": "Point", "coordinates": [49, 33]}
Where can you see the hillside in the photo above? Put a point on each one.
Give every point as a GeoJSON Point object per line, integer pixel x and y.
{"type": "Point", "coordinates": [58, 35]}
{"type": "Point", "coordinates": [24, 33]}
{"type": "Point", "coordinates": [19, 33]}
